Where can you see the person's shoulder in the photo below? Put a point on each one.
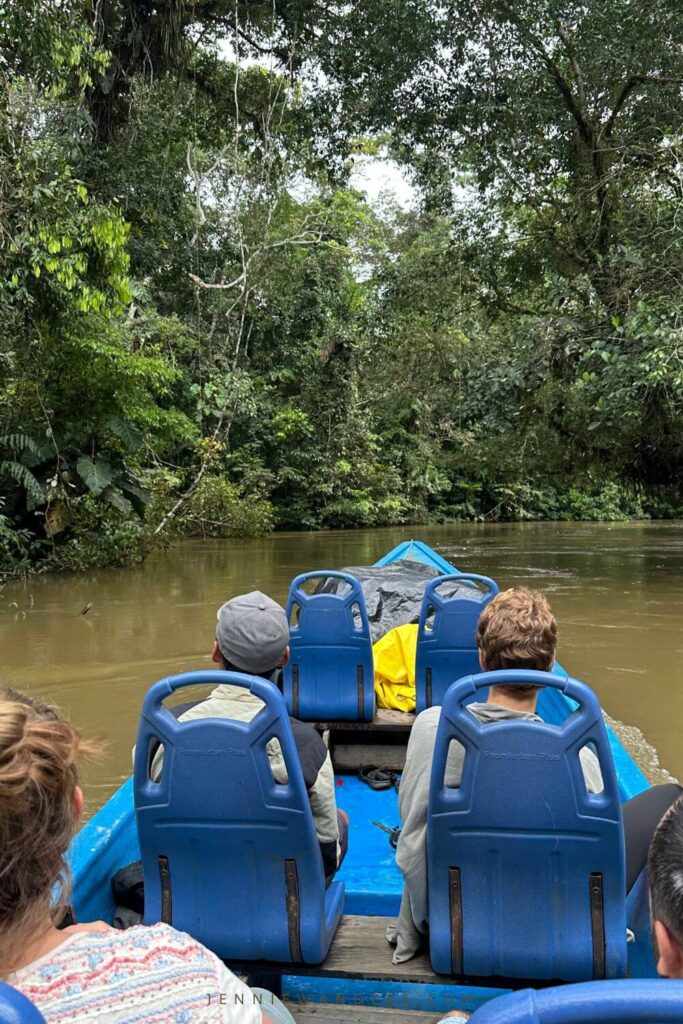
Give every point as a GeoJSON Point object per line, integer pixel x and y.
{"type": "Point", "coordinates": [89, 949]}
{"type": "Point", "coordinates": [309, 744]}
{"type": "Point", "coordinates": [296, 723]}
{"type": "Point", "coordinates": [202, 709]}
{"type": "Point", "coordinates": [163, 938]}
{"type": "Point", "coordinates": [305, 731]}
{"type": "Point", "coordinates": [427, 720]}
{"type": "Point", "coordinates": [150, 972]}
{"type": "Point", "coordinates": [423, 734]}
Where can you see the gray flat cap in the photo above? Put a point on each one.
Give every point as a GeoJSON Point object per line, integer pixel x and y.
{"type": "Point", "coordinates": [252, 632]}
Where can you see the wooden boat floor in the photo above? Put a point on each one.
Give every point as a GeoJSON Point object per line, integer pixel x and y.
{"type": "Point", "coordinates": [347, 1013]}
{"type": "Point", "coordinates": [359, 950]}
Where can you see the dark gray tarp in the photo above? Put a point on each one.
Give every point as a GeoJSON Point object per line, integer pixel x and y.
{"type": "Point", "coordinates": [393, 593]}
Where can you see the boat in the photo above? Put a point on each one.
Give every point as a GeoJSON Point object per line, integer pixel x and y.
{"type": "Point", "coordinates": [108, 841]}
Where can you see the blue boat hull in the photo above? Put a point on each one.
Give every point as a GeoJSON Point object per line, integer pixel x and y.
{"type": "Point", "coordinates": [373, 882]}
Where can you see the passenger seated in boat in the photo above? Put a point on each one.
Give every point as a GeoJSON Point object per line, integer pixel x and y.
{"type": "Point", "coordinates": [516, 630]}
{"type": "Point", "coordinates": [252, 637]}
{"type": "Point", "coordinates": [87, 972]}
{"type": "Point", "coordinates": [665, 876]}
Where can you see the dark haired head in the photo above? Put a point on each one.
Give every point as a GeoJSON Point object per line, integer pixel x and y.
{"type": "Point", "coordinates": [665, 872]}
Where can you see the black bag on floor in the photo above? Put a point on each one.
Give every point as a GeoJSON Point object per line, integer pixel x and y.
{"type": "Point", "coordinates": [129, 895]}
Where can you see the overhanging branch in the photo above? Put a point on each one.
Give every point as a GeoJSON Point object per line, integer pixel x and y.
{"type": "Point", "coordinates": [628, 87]}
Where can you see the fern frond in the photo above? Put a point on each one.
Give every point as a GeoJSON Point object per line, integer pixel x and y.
{"type": "Point", "coordinates": [18, 442]}
{"type": "Point", "coordinates": [25, 478]}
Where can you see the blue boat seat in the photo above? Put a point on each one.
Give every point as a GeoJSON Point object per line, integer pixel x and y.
{"type": "Point", "coordinates": [632, 1001]}
{"type": "Point", "coordinates": [229, 855]}
{"type": "Point", "coordinates": [15, 1008]}
{"type": "Point", "coordinates": [525, 868]}
{"type": "Point", "coordinates": [330, 673]}
{"type": "Point", "coordinates": [446, 635]}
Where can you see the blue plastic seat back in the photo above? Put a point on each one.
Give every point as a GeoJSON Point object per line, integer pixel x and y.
{"type": "Point", "coordinates": [228, 854]}
{"type": "Point", "coordinates": [15, 1008]}
{"type": "Point", "coordinates": [526, 868]}
{"type": "Point", "coordinates": [330, 674]}
{"type": "Point", "coordinates": [446, 635]}
{"type": "Point", "coordinates": [632, 1001]}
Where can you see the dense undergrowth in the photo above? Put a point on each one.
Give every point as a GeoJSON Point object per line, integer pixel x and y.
{"type": "Point", "coordinates": [101, 536]}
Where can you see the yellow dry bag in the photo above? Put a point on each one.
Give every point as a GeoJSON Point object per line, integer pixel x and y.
{"type": "Point", "coordinates": [394, 656]}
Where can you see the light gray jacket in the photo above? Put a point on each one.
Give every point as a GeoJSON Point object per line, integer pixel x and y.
{"type": "Point", "coordinates": [411, 854]}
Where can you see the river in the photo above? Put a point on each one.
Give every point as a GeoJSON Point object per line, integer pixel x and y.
{"type": "Point", "coordinates": [616, 589]}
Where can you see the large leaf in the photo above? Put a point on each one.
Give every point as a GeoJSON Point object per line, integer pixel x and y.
{"type": "Point", "coordinates": [126, 432]}
{"type": "Point", "coordinates": [139, 496]}
{"type": "Point", "coordinates": [96, 474]}
{"type": "Point", "coordinates": [23, 476]}
{"type": "Point", "coordinates": [114, 497]}
{"type": "Point", "coordinates": [38, 455]}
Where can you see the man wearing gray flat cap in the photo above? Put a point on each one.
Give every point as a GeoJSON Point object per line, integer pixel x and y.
{"type": "Point", "coordinates": [252, 636]}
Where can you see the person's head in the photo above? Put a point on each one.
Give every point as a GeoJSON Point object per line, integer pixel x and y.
{"type": "Point", "coordinates": [665, 875]}
{"type": "Point", "coordinates": [252, 635]}
{"type": "Point", "coordinates": [517, 630]}
{"type": "Point", "coordinates": [40, 805]}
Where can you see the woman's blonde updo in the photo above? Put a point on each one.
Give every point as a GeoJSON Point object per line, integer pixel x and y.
{"type": "Point", "coordinates": [38, 777]}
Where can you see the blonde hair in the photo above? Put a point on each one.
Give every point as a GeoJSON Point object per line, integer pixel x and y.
{"type": "Point", "coordinates": [517, 630]}
{"type": "Point", "coordinates": [38, 777]}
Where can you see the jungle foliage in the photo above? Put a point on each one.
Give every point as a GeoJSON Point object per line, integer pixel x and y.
{"type": "Point", "coordinates": [205, 329]}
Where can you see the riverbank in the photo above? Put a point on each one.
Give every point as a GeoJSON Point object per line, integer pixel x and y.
{"type": "Point", "coordinates": [97, 535]}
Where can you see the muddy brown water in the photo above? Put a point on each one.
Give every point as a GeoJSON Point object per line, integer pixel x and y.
{"type": "Point", "coordinates": [617, 591]}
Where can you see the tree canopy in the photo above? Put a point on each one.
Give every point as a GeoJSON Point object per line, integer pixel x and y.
{"type": "Point", "coordinates": [204, 328]}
